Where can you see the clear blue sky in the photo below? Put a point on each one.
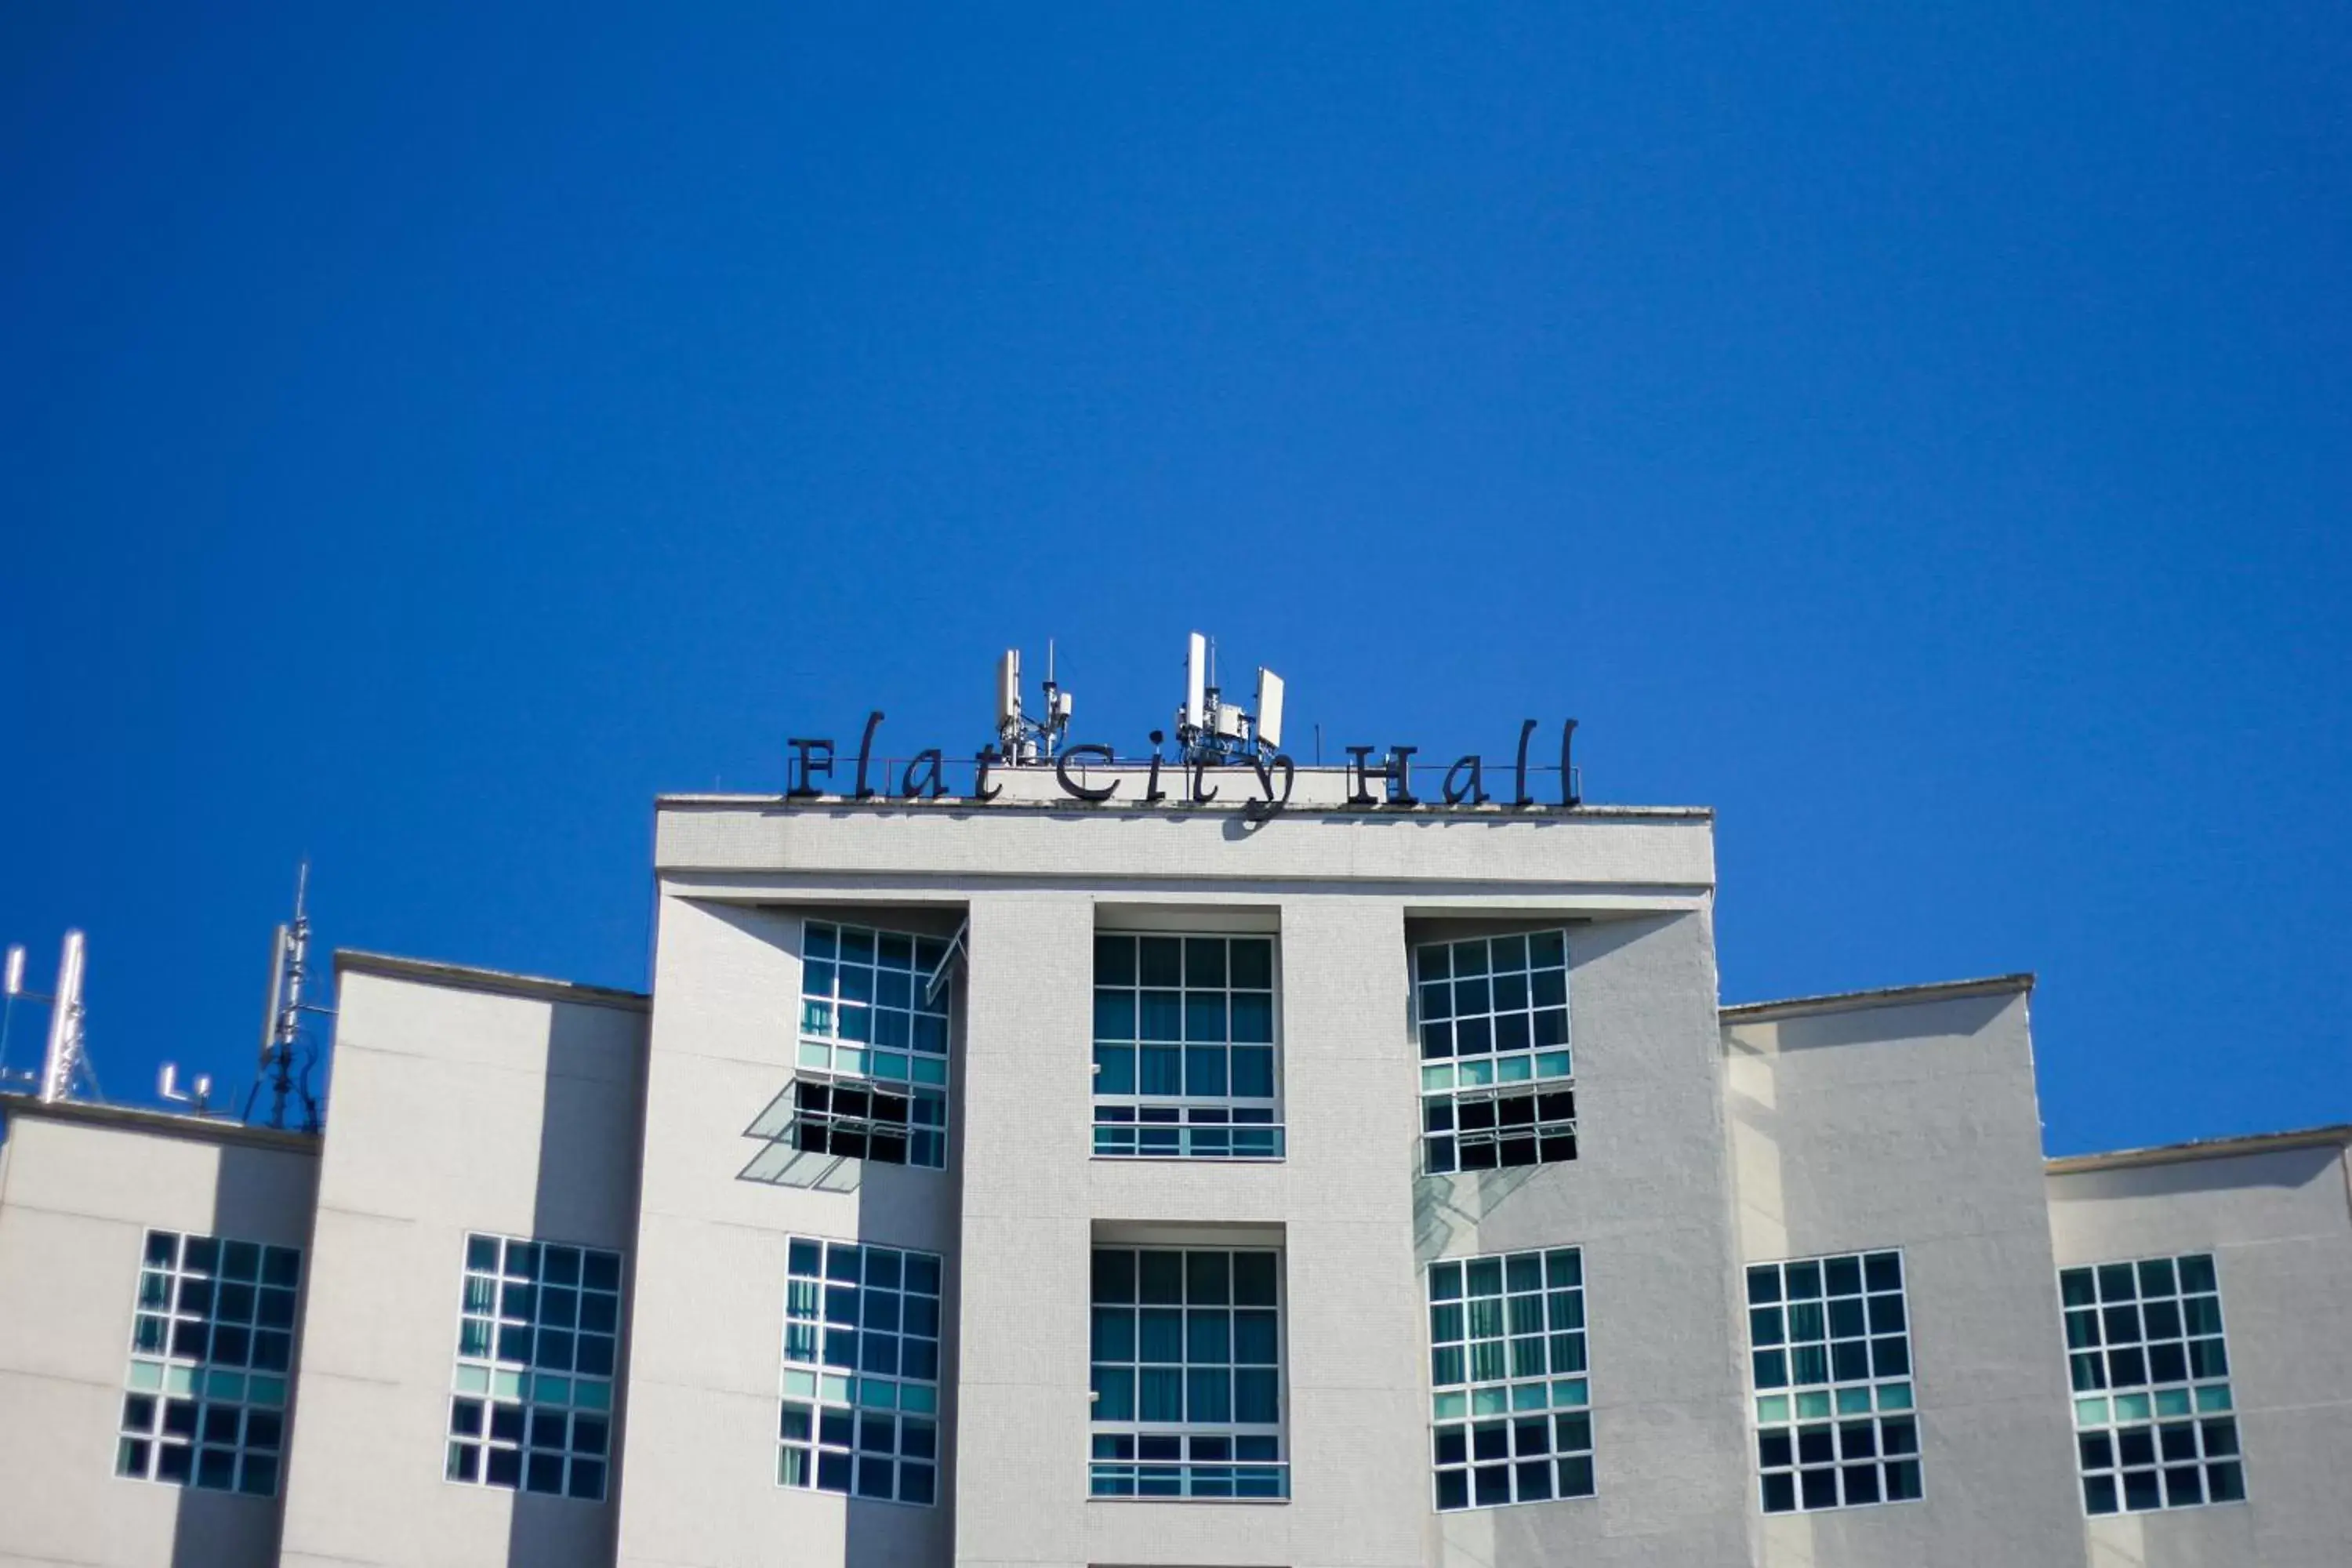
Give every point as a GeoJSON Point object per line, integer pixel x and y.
{"type": "Point", "coordinates": [425, 433]}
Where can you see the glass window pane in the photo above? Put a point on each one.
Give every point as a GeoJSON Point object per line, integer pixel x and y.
{"type": "Point", "coordinates": [1115, 1015]}
{"type": "Point", "coordinates": [1254, 1279]}
{"type": "Point", "coordinates": [1253, 1070]}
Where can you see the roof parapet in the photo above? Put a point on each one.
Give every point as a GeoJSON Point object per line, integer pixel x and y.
{"type": "Point", "coordinates": [1888, 996]}
{"type": "Point", "coordinates": [2338, 1135]}
{"type": "Point", "coordinates": [162, 1124]}
{"type": "Point", "coordinates": [469, 977]}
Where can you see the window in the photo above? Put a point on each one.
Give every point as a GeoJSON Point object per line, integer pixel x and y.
{"type": "Point", "coordinates": [1495, 1078]}
{"type": "Point", "coordinates": [538, 1330]}
{"type": "Point", "coordinates": [1184, 1047]}
{"type": "Point", "coordinates": [861, 1371]}
{"type": "Point", "coordinates": [1187, 1373]}
{"type": "Point", "coordinates": [2153, 1427]}
{"type": "Point", "coordinates": [1511, 1407]}
{"type": "Point", "coordinates": [873, 1066]}
{"type": "Point", "coordinates": [1831, 1346]}
{"type": "Point", "coordinates": [211, 1342]}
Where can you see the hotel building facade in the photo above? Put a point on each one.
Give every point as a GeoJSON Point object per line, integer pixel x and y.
{"type": "Point", "coordinates": [1166, 1184]}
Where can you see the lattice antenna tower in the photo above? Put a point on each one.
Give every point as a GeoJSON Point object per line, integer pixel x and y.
{"type": "Point", "coordinates": [1020, 740]}
{"type": "Point", "coordinates": [1211, 730]}
{"type": "Point", "coordinates": [284, 1035]}
{"type": "Point", "coordinates": [66, 1063]}
{"type": "Point", "coordinates": [12, 986]}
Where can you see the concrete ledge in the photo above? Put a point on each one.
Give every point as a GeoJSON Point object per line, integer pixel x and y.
{"type": "Point", "coordinates": [465, 977]}
{"type": "Point", "coordinates": [1891, 996]}
{"type": "Point", "coordinates": [2338, 1136]}
{"type": "Point", "coordinates": [161, 1123]}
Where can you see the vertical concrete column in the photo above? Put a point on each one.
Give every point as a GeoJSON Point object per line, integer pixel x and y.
{"type": "Point", "coordinates": [1360, 1485]}
{"type": "Point", "coordinates": [1022, 1426]}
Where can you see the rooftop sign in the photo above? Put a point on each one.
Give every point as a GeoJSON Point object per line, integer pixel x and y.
{"type": "Point", "coordinates": [1263, 784]}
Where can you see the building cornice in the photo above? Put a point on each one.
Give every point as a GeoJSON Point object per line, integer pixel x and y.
{"type": "Point", "coordinates": [468, 977]}
{"type": "Point", "coordinates": [2334, 1137]}
{"type": "Point", "coordinates": [164, 1123]}
{"type": "Point", "coordinates": [1889, 996]}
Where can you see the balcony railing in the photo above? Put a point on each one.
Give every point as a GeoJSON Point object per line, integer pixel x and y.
{"type": "Point", "coordinates": [1186, 1133]}
{"type": "Point", "coordinates": [1156, 1466]}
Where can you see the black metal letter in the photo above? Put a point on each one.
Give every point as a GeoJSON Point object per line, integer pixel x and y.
{"type": "Point", "coordinates": [1260, 810]}
{"type": "Point", "coordinates": [1400, 771]}
{"type": "Point", "coordinates": [1475, 790]}
{"type": "Point", "coordinates": [809, 763]}
{"type": "Point", "coordinates": [1071, 787]}
{"type": "Point", "coordinates": [1151, 790]}
{"type": "Point", "coordinates": [1569, 794]}
{"type": "Point", "coordinates": [910, 786]}
{"type": "Point", "coordinates": [1397, 770]}
{"type": "Point", "coordinates": [865, 751]}
{"type": "Point", "coordinates": [1201, 791]}
{"type": "Point", "coordinates": [1520, 795]}
{"type": "Point", "coordinates": [986, 757]}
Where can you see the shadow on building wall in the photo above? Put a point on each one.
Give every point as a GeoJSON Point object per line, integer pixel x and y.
{"type": "Point", "coordinates": [258, 1194]}
{"type": "Point", "coordinates": [2283, 1170]}
{"type": "Point", "coordinates": [591, 1137]}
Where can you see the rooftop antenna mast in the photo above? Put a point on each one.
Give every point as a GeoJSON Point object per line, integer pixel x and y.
{"type": "Point", "coordinates": [66, 1063]}
{"type": "Point", "coordinates": [1020, 740]}
{"type": "Point", "coordinates": [1211, 730]}
{"type": "Point", "coordinates": [12, 986]}
{"type": "Point", "coordinates": [282, 1028]}
{"type": "Point", "coordinates": [65, 1060]}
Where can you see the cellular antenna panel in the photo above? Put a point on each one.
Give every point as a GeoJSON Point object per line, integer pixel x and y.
{"type": "Point", "coordinates": [1196, 682]}
{"type": "Point", "coordinates": [1008, 688]}
{"type": "Point", "coordinates": [1269, 708]}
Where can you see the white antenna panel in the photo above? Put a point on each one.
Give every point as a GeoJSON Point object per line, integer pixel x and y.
{"type": "Point", "coordinates": [1269, 708]}
{"type": "Point", "coordinates": [1008, 687]}
{"type": "Point", "coordinates": [1196, 681]}
{"type": "Point", "coordinates": [16, 978]}
{"type": "Point", "coordinates": [277, 992]}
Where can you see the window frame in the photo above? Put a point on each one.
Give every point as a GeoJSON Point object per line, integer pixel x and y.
{"type": "Point", "coordinates": [1131, 1457]}
{"type": "Point", "coordinates": [161, 1381]}
{"type": "Point", "coordinates": [2199, 1407]}
{"type": "Point", "coordinates": [810, 1389]}
{"type": "Point", "coordinates": [502, 1403]}
{"type": "Point", "coordinates": [1790, 1414]}
{"type": "Point", "coordinates": [1138, 1125]}
{"type": "Point", "coordinates": [829, 1065]}
{"type": "Point", "coordinates": [1468, 1099]}
{"type": "Point", "coordinates": [1467, 1410]}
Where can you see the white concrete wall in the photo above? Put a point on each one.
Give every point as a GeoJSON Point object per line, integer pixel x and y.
{"type": "Point", "coordinates": [1029, 1198]}
{"type": "Point", "coordinates": [2279, 1226]}
{"type": "Point", "coordinates": [1464, 857]}
{"type": "Point", "coordinates": [705, 1372]}
{"type": "Point", "coordinates": [1648, 1200]}
{"type": "Point", "coordinates": [76, 1198]}
{"type": "Point", "coordinates": [465, 1102]}
{"type": "Point", "coordinates": [458, 1106]}
{"type": "Point", "coordinates": [1913, 1124]}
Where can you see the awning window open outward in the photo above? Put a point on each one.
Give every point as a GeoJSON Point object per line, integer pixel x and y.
{"type": "Point", "coordinates": [959, 943]}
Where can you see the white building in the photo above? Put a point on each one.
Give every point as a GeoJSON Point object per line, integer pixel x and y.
{"type": "Point", "coordinates": [1167, 1185]}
